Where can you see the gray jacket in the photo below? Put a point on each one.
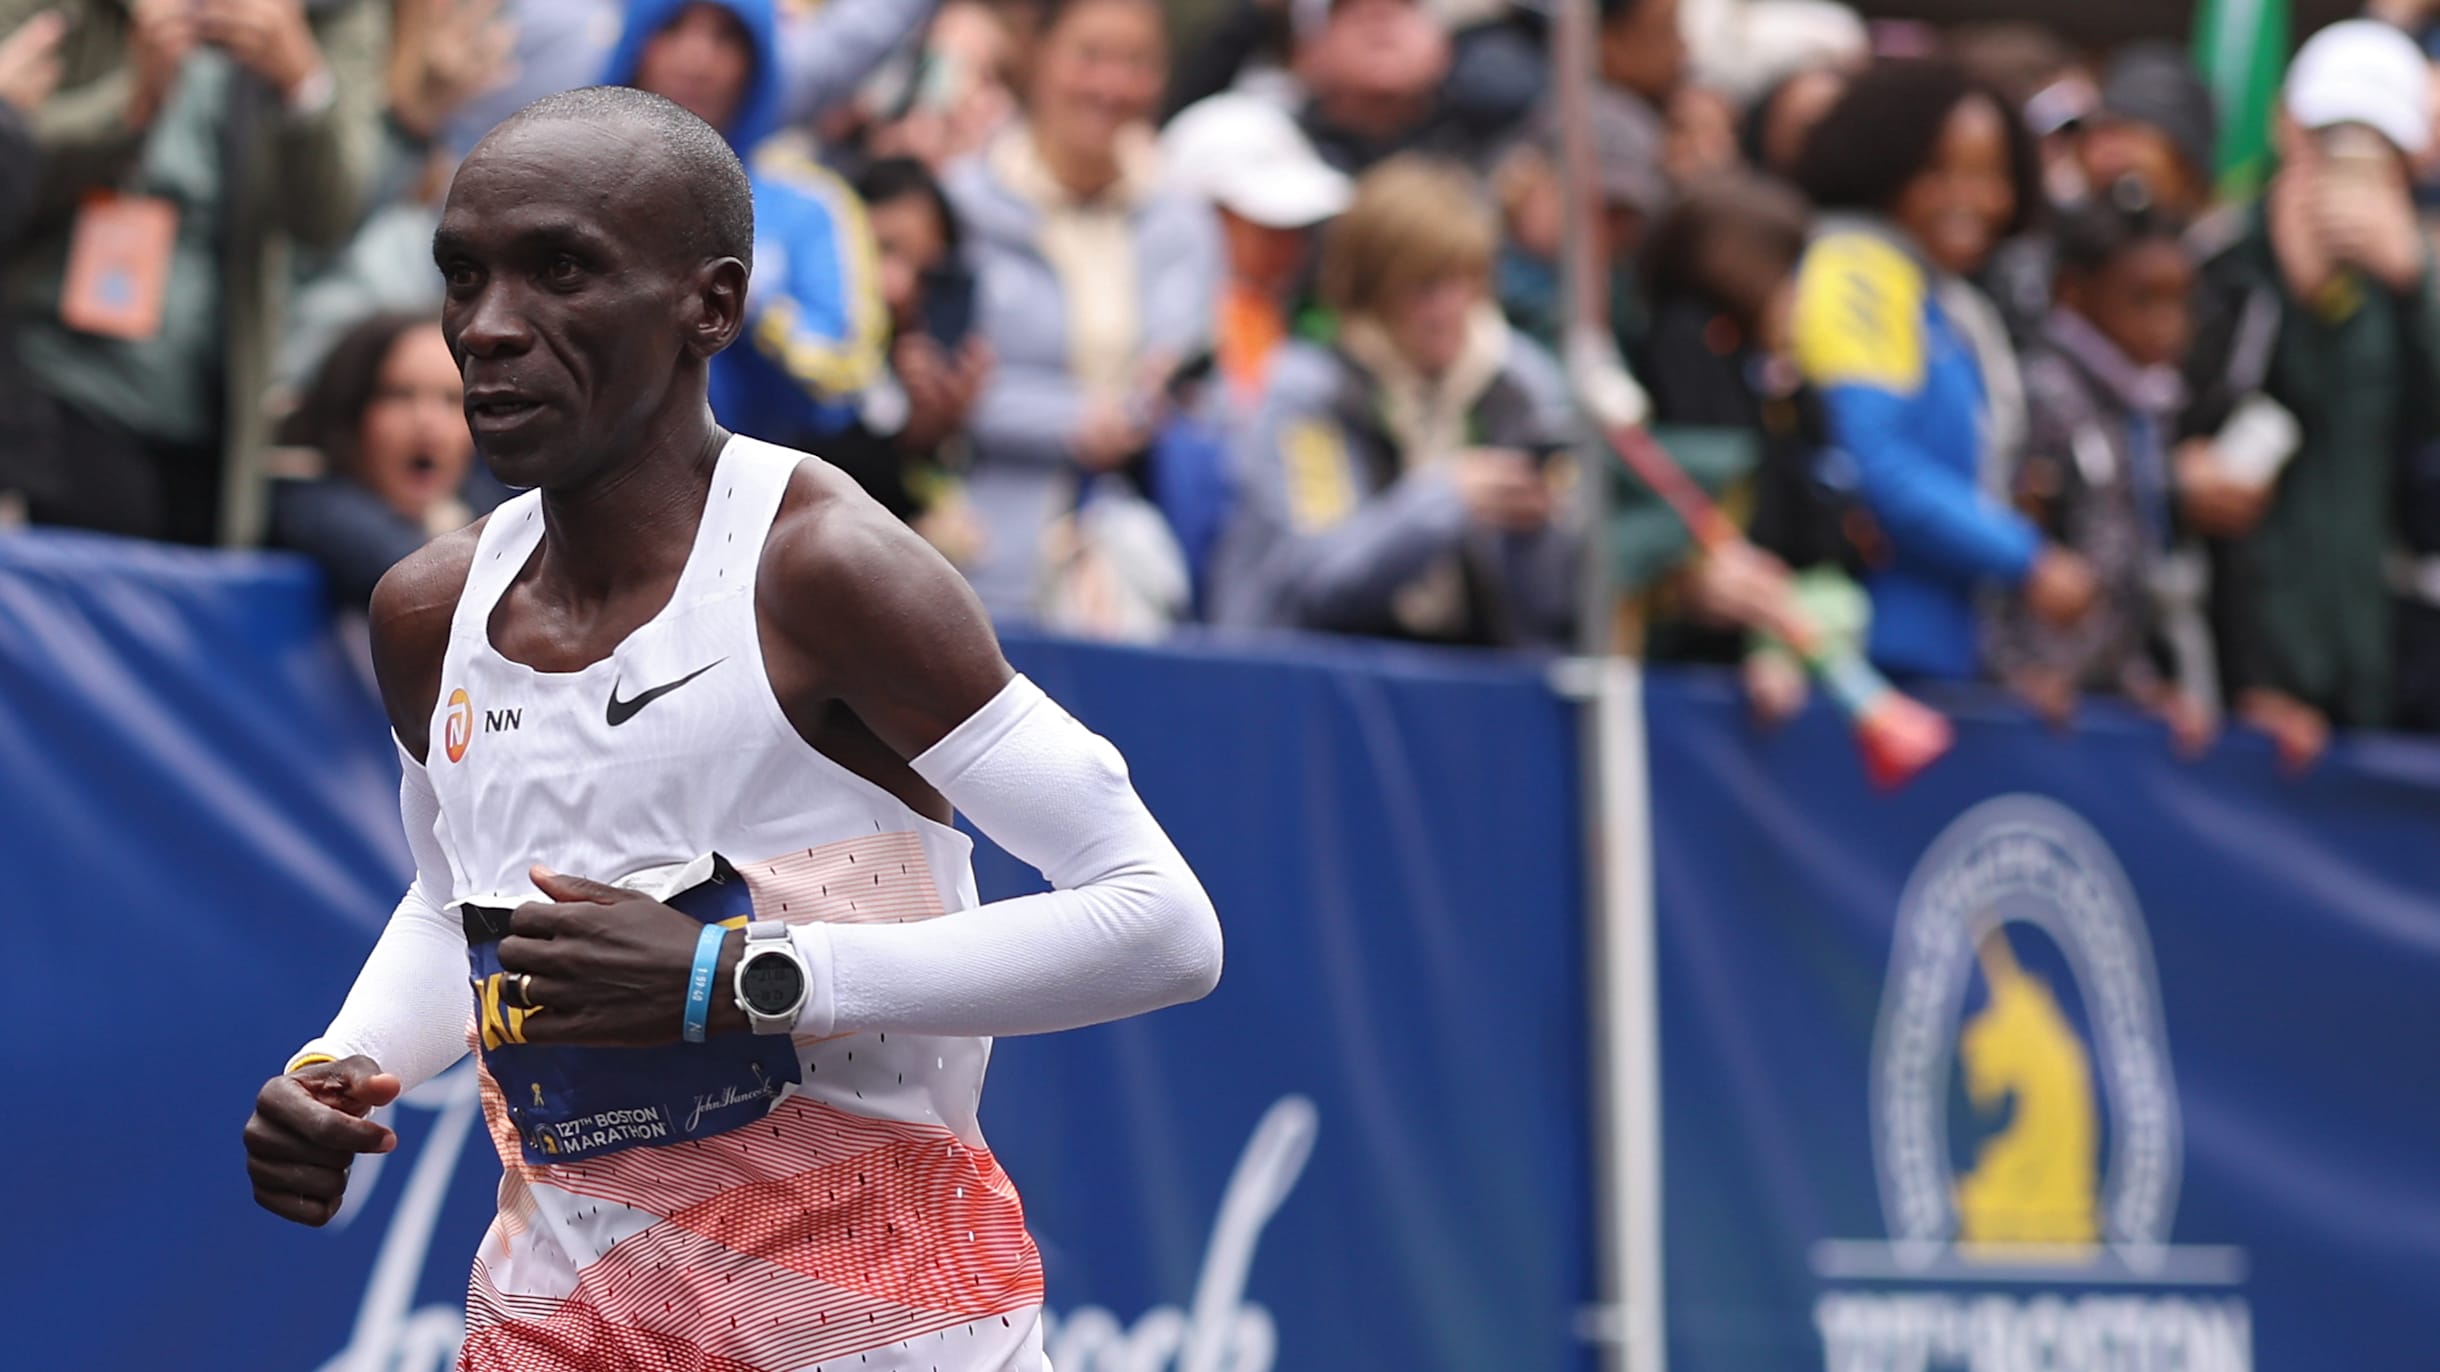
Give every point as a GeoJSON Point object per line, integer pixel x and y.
{"type": "Point", "coordinates": [1330, 528]}
{"type": "Point", "coordinates": [1023, 423]}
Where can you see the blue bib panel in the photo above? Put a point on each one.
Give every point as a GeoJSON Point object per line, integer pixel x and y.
{"type": "Point", "coordinates": [570, 1103]}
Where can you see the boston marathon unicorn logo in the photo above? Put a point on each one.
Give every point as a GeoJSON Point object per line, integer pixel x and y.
{"type": "Point", "coordinates": [2034, 1181]}
{"type": "Point", "coordinates": [2025, 1127]}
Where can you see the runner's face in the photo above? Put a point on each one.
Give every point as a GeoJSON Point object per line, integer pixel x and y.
{"type": "Point", "coordinates": [570, 300]}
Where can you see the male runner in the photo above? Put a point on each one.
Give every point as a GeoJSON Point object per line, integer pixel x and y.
{"type": "Point", "coordinates": [683, 644]}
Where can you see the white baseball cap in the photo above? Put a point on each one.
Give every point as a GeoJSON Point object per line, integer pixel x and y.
{"type": "Point", "coordinates": [2360, 71]}
{"type": "Point", "coordinates": [1246, 155]}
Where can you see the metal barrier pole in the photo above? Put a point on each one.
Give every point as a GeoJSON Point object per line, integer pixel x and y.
{"type": "Point", "coordinates": [1618, 840]}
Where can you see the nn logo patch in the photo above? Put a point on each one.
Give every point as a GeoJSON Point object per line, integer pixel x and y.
{"type": "Point", "coordinates": [457, 728]}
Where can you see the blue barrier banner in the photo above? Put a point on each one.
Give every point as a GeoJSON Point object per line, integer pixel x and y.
{"type": "Point", "coordinates": [2069, 1056]}
{"type": "Point", "coordinates": [1366, 1150]}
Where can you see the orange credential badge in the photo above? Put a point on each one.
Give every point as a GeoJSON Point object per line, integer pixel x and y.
{"type": "Point", "coordinates": [458, 730]}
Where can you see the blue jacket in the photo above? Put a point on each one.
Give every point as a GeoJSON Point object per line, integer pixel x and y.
{"type": "Point", "coordinates": [758, 112]}
{"type": "Point", "coordinates": [816, 330]}
{"type": "Point", "coordinates": [1905, 398]}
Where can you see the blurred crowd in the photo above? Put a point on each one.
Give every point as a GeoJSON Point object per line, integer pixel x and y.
{"type": "Point", "coordinates": [2007, 360]}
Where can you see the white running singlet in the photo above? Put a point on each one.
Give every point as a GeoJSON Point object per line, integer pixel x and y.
{"type": "Point", "coordinates": [862, 1225]}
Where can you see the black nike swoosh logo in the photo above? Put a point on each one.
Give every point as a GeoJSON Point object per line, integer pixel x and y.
{"type": "Point", "coordinates": [621, 711]}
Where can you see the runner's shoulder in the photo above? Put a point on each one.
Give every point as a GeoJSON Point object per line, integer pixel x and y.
{"type": "Point", "coordinates": [850, 585]}
{"type": "Point", "coordinates": [410, 614]}
{"type": "Point", "coordinates": [831, 542]}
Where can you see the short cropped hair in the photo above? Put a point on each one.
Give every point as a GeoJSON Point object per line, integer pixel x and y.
{"type": "Point", "coordinates": [697, 156]}
{"type": "Point", "coordinates": [1886, 129]}
{"type": "Point", "coordinates": [1414, 219]}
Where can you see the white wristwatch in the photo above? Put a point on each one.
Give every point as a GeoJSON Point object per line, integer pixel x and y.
{"type": "Point", "coordinates": [771, 981]}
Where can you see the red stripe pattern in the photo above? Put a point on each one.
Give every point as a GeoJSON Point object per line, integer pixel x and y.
{"type": "Point", "coordinates": [811, 1235]}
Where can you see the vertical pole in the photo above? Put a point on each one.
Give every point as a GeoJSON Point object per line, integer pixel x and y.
{"type": "Point", "coordinates": [1618, 840]}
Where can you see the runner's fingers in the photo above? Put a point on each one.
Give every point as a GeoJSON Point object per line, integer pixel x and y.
{"type": "Point", "coordinates": [274, 1143]}
{"type": "Point", "coordinates": [335, 1129]}
{"type": "Point", "coordinates": [522, 952]}
{"type": "Point", "coordinates": [302, 1209]}
{"type": "Point", "coordinates": [312, 1181]}
{"type": "Point", "coordinates": [551, 994]}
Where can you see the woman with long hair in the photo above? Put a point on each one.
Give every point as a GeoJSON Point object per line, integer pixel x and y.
{"type": "Point", "coordinates": [387, 415]}
{"type": "Point", "coordinates": [1920, 173]}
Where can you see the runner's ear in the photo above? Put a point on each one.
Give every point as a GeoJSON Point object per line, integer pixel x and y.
{"type": "Point", "coordinates": [718, 300]}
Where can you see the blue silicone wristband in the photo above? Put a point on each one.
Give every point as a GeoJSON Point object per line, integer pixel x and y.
{"type": "Point", "coordinates": [699, 983]}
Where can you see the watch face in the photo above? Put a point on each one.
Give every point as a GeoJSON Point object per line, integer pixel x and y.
{"type": "Point", "coordinates": [772, 985]}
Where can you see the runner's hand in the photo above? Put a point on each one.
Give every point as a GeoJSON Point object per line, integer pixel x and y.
{"type": "Point", "coordinates": [308, 1125]}
{"type": "Point", "coordinates": [609, 966]}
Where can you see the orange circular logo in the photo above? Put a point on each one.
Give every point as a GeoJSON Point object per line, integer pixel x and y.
{"type": "Point", "coordinates": [458, 730]}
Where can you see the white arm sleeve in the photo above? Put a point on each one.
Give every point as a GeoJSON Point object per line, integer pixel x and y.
{"type": "Point", "coordinates": [1127, 930]}
{"type": "Point", "coordinates": [409, 1007]}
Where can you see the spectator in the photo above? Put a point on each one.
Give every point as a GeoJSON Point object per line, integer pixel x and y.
{"type": "Point", "coordinates": [820, 54]}
{"type": "Point", "coordinates": [1246, 156]}
{"type": "Point", "coordinates": [1773, 133]}
{"type": "Point", "coordinates": [815, 325]}
{"type": "Point", "coordinates": [1248, 35]}
{"type": "Point", "coordinates": [2038, 78]}
{"type": "Point", "coordinates": [387, 415]}
{"type": "Point", "coordinates": [1249, 160]}
{"type": "Point", "coordinates": [1756, 46]}
{"type": "Point", "coordinates": [1924, 172]}
{"type": "Point", "coordinates": [2333, 263]}
{"type": "Point", "coordinates": [2101, 390]}
{"type": "Point", "coordinates": [1634, 190]}
{"type": "Point", "coordinates": [1499, 69]}
{"type": "Point", "coordinates": [443, 53]}
{"type": "Point", "coordinates": [1641, 52]}
{"type": "Point", "coordinates": [2156, 125]}
{"type": "Point", "coordinates": [1097, 282]}
{"type": "Point", "coordinates": [1374, 72]}
{"type": "Point", "coordinates": [1718, 366]}
{"type": "Point", "coordinates": [186, 146]}
{"type": "Point", "coordinates": [1395, 485]}
{"type": "Point", "coordinates": [952, 103]}
{"type": "Point", "coordinates": [29, 70]}
{"type": "Point", "coordinates": [905, 447]}
{"type": "Point", "coordinates": [2152, 126]}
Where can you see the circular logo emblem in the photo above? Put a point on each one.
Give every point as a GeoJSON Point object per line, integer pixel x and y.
{"type": "Point", "coordinates": [458, 728]}
{"type": "Point", "coordinates": [2013, 890]}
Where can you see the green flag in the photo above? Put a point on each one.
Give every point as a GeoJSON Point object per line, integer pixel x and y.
{"type": "Point", "coordinates": [2242, 48]}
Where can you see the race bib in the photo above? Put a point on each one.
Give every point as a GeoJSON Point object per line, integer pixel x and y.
{"type": "Point", "coordinates": [571, 1103]}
